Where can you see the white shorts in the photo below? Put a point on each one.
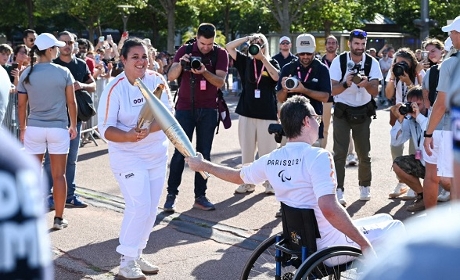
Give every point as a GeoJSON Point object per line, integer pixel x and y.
{"type": "Point", "coordinates": [446, 155]}
{"type": "Point", "coordinates": [442, 153]}
{"type": "Point", "coordinates": [37, 139]}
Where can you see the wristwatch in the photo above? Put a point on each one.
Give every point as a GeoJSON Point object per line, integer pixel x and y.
{"type": "Point", "coordinates": [345, 85]}
{"type": "Point", "coordinates": [426, 135]}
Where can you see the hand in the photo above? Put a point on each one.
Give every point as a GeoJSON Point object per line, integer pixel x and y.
{"type": "Point", "coordinates": [15, 73]}
{"type": "Point", "coordinates": [138, 135]}
{"type": "Point", "coordinates": [195, 163]}
{"type": "Point", "coordinates": [186, 58]}
{"type": "Point", "coordinates": [259, 56]}
{"type": "Point", "coordinates": [77, 86]}
{"type": "Point", "coordinates": [348, 79]}
{"type": "Point", "coordinates": [200, 70]}
{"type": "Point", "coordinates": [395, 110]}
{"type": "Point", "coordinates": [364, 82]}
{"type": "Point", "coordinates": [72, 132]}
{"type": "Point", "coordinates": [428, 145]}
{"type": "Point", "coordinates": [22, 132]}
{"type": "Point", "coordinates": [405, 79]}
{"type": "Point", "coordinates": [416, 110]}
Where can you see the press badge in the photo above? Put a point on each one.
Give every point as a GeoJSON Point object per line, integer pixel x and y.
{"type": "Point", "coordinates": [257, 93]}
{"type": "Point", "coordinates": [203, 85]}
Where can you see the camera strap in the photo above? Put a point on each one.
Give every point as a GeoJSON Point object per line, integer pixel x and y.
{"type": "Point", "coordinates": [192, 93]}
{"type": "Point", "coordinates": [255, 73]}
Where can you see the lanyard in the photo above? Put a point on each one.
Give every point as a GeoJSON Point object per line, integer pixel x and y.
{"type": "Point", "coordinates": [306, 76]}
{"type": "Point", "coordinates": [255, 73]}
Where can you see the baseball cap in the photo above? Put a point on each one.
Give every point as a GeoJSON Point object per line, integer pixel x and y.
{"type": "Point", "coordinates": [285, 38]}
{"type": "Point", "coordinates": [305, 43]}
{"type": "Point", "coordinates": [455, 25]}
{"type": "Point", "coordinates": [47, 40]}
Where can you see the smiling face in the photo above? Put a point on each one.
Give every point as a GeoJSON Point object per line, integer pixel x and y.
{"type": "Point", "coordinates": [357, 46]}
{"type": "Point", "coordinates": [135, 63]}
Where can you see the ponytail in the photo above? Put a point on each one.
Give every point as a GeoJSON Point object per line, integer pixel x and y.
{"type": "Point", "coordinates": [33, 50]}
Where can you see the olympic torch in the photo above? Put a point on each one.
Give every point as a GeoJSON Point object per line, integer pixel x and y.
{"type": "Point", "coordinates": [168, 123]}
{"type": "Point", "coordinates": [146, 116]}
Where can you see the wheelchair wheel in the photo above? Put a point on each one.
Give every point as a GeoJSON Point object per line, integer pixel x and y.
{"type": "Point", "coordinates": [320, 265]}
{"type": "Point", "coordinates": [262, 263]}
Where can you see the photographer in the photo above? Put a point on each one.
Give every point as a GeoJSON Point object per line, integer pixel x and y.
{"type": "Point", "coordinates": [411, 120]}
{"type": "Point", "coordinates": [401, 77]}
{"type": "Point", "coordinates": [306, 76]}
{"type": "Point", "coordinates": [196, 107]}
{"type": "Point", "coordinates": [354, 106]}
{"type": "Point", "coordinates": [257, 104]}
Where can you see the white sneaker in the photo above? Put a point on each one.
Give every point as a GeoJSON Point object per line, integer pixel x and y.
{"type": "Point", "coordinates": [399, 190]}
{"type": "Point", "coordinates": [147, 267]}
{"type": "Point", "coordinates": [268, 188]}
{"type": "Point", "coordinates": [410, 195]}
{"type": "Point", "coordinates": [245, 188]}
{"type": "Point", "coordinates": [351, 160]}
{"type": "Point", "coordinates": [340, 197]}
{"type": "Point", "coordinates": [444, 196]}
{"type": "Point", "coordinates": [131, 271]}
{"type": "Point", "coordinates": [365, 193]}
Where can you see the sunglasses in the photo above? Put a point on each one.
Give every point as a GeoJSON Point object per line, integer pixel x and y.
{"type": "Point", "coordinates": [317, 118]}
{"type": "Point", "coordinates": [31, 40]}
{"type": "Point", "coordinates": [284, 43]}
{"type": "Point", "coordinates": [69, 43]}
{"type": "Point", "coordinates": [304, 53]}
{"type": "Point", "coordinates": [359, 33]}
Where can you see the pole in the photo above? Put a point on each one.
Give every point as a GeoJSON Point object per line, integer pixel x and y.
{"type": "Point", "coordinates": [424, 11]}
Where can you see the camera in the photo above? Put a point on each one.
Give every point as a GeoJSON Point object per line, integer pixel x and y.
{"type": "Point", "coordinates": [406, 108]}
{"type": "Point", "coordinates": [356, 68]}
{"type": "Point", "coordinates": [400, 68]}
{"type": "Point", "coordinates": [255, 48]}
{"type": "Point", "coordinates": [195, 63]}
{"type": "Point", "coordinates": [292, 83]}
{"type": "Point", "coordinates": [277, 129]}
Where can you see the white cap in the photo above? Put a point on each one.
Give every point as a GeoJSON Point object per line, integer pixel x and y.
{"type": "Point", "coordinates": [285, 38]}
{"type": "Point", "coordinates": [148, 42]}
{"type": "Point", "coordinates": [448, 44]}
{"type": "Point", "coordinates": [47, 40]}
{"type": "Point", "coordinates": [305, 43]}
{"type": "Point", "coordinates": [455, 25]}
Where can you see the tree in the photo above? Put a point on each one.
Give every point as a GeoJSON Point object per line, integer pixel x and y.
{"type": "Point", "coordinates": [286, 12]}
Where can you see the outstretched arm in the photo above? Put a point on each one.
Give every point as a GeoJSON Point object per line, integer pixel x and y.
{"type": "Point", "coordinates": [228, 174]}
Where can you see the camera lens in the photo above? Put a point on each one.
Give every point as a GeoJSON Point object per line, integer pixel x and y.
{"type": "Point", "coordinates": [195, 64]}
{"type": "Point", "coordinates": [406, 108]}
{"type": "Point", "coordinates": [254, 49]}
{"type": "Point", "coordinates": [291, 83]}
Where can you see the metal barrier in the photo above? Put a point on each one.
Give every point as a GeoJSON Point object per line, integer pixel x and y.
{"type": "Point", "coordinates": [89, 128]}
{"type": "Point", "coordinates": [10, 122]}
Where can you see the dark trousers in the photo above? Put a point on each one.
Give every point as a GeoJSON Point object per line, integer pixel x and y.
{"type": "Point", "coordinates": [204, 122]}
{"type": "Point", "coordinates": [361, 134]}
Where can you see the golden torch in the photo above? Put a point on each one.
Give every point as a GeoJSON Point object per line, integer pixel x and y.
{"type": "Point", "coordinates": [146, 115]}
{"type": "Point", "coordinates": [168, 123]}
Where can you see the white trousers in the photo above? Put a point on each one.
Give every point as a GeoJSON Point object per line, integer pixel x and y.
{"type": "Point", "coordinates": [141, 191]}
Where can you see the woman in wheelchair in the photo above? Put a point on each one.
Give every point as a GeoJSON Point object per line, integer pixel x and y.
{"type": "Point", "coordinates": [304, 178]}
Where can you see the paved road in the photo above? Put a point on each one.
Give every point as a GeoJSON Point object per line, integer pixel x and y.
{"type": "Point", "coordinates": [194, 244]}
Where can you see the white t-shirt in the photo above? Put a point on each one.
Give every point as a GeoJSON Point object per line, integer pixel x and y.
{"type": "Point", "coordinates": [401, 88]}
{"type": "Point", "coordinates": [119, 106]}
{"type": "Point", "coordinates": [385, 65]}
{"type": "Point", "coordinates": [299, 177]}
{"type": "Point", "coordinates": [354, 95]}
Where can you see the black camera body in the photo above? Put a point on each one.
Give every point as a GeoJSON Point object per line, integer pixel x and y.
{"type": "Point", "coordinates": [357, 77]}
{"type": "Point", "coordinates": [277, 129]}
{"type": "Point", "coordinates": [400, 68]}
{"type": "Point", "coordinates": [406, 108]}
{"type": "Point", "coordinates": [195, 63]}
{"type": "Point", "coordinates": [255, 48]}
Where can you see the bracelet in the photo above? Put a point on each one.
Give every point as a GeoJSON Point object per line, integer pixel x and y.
{"type": "Point", "coordinates": [426, 135]}
{"type": "Point", "coordinates": [392, 80]}
{"type": "Point", "coordinates": [345, 85]}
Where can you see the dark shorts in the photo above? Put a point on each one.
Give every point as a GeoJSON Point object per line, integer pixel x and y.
{"type": "Point", "coordinates": [411, 166]}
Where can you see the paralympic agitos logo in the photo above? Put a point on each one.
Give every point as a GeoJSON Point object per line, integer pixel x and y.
{"type": "Point", "coordinates": [284, 177]}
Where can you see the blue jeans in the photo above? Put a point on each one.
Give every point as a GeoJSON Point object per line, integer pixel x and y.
{"type": "Point", "coordinates": [204, 122]}
{"type": "Point", "coordinates": [71, 168]}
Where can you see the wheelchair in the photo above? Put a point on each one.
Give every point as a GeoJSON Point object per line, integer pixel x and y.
{"type": "Point", "coordinates": [293, 254]}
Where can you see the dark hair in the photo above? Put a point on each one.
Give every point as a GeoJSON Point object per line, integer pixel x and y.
{"type": "Point", "coordinates": [33, 50]}
{"type": "Point", "coordinates": [84, 42]}
{"type": "Point", "coordinates": [292, 114]}
{"type": "Point", "coordinates": [27, 32]}
{"type": "Point", "coordinates": [17, 48]}
{"type": "Point", "coordinates": [408, 54]}
{"type": "Point", "coordinates": [357, 33]}
{"type": "Point", "coordinates": [331, 37]}
{"type": "Point", "coordinates": [5, 48]}
{"type": "Point", "coordinates": [72, 36]}
{"type": "Point", "coordinates": [206, 30]}
{"type": "Point", "coordinates": [435, 42]}
{"type": "Point", "coordinates": [131, 42]}
{"type": "Point", "coordinates": [415, 91]}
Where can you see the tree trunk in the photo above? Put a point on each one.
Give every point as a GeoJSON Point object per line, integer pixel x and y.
{"type": "Point", "coordinates": [30, 13]}
{"type": "Point", "coordinates": [170, 8]}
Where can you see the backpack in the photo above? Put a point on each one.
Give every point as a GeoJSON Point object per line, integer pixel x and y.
{"type": "Point", "coordinates": [343, 64]}
{"type": "Point", "coordinates": [367, 71]}
{"type": "Point", "coordinates": [433, 83]}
